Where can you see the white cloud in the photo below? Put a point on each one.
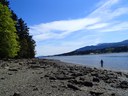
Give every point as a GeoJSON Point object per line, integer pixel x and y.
{"type": "Point", "coordinates": [97, 26]}
{"type": "Point", "coordinates": [117, 27]}
{"type": "Point", "coordinates": [49, 49]}
{"type": "Point", "coordinates": [104, 9]}
{"type": "Point", "coordinates": [106, 12]}
{"type": "Point", "coordinates": [98, 19]}
{"type": "Point", "coordinates": [60, 29]}
{"type": "Point", "coordinates": [103, 19]}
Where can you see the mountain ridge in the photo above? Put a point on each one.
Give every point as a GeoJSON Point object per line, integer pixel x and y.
{"type": "Point", "coordinates": [103, 45]}
{"type": "Point", "coordinates": [100, 48]}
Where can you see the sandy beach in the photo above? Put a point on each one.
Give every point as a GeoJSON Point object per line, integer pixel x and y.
{"type": "Point", "coordinates": [43, 77]}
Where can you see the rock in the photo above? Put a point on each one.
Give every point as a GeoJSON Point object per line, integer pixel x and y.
{"type": "Point", "coordinates": [123, 84]}
{"type": "Point", "coordinates": [44, 67]}
{"type": "Point", "coordinates": [34, 62]}
{"type": "Point", "coordinates": [2, 78]}
{"type": "Point", "coordinates": [111, 81]}
{"type": "Point", "coordinates": [71, 68]}
{"type": "Point", "coordinates": [12, 69]}
{"type": "Point", "coordinates": [94, 74]}
{"type": "Point", "coordinates": [85, 83]}
{"type": "Point", "coordinates": [54, 86]}
{"type": "Point", "coordinates": [113, 94]}
{"type": "Point", "coordinates": [103, 77]}
{"type": "Point", "coordinates": [112, 76]}
{"type": "Point", "coordinates": [89, 70]}
{"type": "Point", "coordinates": [64, 77]}
{"type": "Point", "coordinates": [73, 87]}
{"type": "Point", "coordinates": [88, 84]}
{"type": "Point", "coordinates": [96, 93]}
{"type": "Point", "coordinates": [46, 75]}
{"type": "Point", "coordinates": [41, 77]}
{"type": "Point", "coordinates": [126, 75]}
{"type": "Point", "coordinates": [16, 94]}
{"type": "Point", "coordinates": [82, 78]}
{"type": "Point", "coordinates": [96, 79]}
{"type": "Point", "coordinates": [35, 89]}
{"type": "Point", "coordinates": [52, 78]}
{"type": "Point", "coordinates": [9, 73]}
{"type": "Point", "coordinates": [119, 73]}
{"type": "Point", "coordinates": [77, 74]}
{"type": "Point", "coordinates": [39, 72]}
{"type": "Point", "coordinates": [35, 66]}
{"type": "Point", "coordinates": [20, 63]}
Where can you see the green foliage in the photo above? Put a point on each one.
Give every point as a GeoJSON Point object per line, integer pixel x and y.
{"type": "Point", "coordinates": [15, 40]}
{"type": "Point", "coordinates": [27, 44]}
{"type": "Point", "coordinates": [8, 38]}
{"type": "Point", "coordinates": [4, 2]}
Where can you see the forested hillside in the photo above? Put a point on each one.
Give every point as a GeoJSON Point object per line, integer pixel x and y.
{"type": "Point", "coordinates": [15, 40]}
{"type": "Point", "coordinates": [101, 48]}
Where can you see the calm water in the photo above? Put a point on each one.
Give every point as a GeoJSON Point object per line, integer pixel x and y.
{"type": "Point", "coordinates": [115, 61]}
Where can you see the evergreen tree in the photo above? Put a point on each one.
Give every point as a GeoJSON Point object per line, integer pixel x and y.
{"type": "Point", "coordinates": [8, 38]}
{"type": "Point", "coordinates": [4, 2]}
{"type": "Point", "coordinates": [27, 44]}
{"type": "Point", "coordinates": [14, 16]}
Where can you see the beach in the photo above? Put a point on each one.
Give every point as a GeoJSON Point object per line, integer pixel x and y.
{"type": "Point", "coordinates": [46, 77]}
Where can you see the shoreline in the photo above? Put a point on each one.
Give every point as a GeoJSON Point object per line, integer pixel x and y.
{"type": "Point", "coordinates": [100, 68]}
{"type": "Point", "coordinates": [115, 62]}
{"type": "Point", "coordinates": [44, 77]}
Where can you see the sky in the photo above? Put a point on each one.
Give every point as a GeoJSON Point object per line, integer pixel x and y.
{"type": "Point", "coordinates": [60, 26]}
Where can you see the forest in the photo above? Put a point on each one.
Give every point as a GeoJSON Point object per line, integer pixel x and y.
{"type": "Point", "coordinates": [15, 40]}
{"type": "Point", "coordinates": [98, 51]}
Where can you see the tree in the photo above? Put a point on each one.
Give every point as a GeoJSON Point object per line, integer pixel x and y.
{"type": "Point", "coordinates": [14, 17]}
{"type": "Point", "coordinates": [4, 2]}
{"type": "Point", "coordinates": [8, 38]}
{"type": "Point", "coordinates": [27, 44]}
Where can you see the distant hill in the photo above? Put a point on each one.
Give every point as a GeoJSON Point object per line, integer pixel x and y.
{"type": "Point", "coordinates": [101, 48]}
{"type": "Point", "coordinates": [104, 45]}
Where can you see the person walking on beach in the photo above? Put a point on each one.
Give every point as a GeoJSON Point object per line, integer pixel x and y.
{"type": "Point", "coordinates": [102, 63]}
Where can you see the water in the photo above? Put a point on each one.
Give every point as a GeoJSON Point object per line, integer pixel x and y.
{"type": "Point", "coordinates": [114, 61]}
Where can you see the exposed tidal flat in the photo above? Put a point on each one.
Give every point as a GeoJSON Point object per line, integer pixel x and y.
{"type": "Point", "coordinates": [44, 77]}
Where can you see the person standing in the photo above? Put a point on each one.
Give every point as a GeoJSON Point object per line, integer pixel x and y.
{"type": "Point", "coordinates": [102, 62]}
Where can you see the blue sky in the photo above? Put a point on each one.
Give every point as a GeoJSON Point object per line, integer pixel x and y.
{"type": "Point", "coordinates": [60, 26]}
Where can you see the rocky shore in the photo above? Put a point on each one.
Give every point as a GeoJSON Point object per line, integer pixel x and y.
{"type": "Point", "coordinates": [42, 77]}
